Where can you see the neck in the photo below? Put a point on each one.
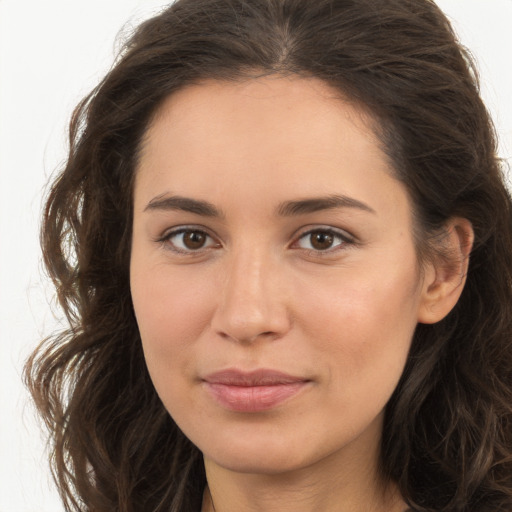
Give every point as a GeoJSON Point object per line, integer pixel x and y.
{"type": "Point", "coordinates": [337, 483]}
{"type": "Point", "coordinates": [273, 496]}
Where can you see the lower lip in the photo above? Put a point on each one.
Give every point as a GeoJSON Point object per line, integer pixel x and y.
{"type": "Point", "coordinates": [254, 398]}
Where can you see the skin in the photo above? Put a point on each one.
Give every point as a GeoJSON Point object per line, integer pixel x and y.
{"type": "Point", "coordinates": [249, 288]}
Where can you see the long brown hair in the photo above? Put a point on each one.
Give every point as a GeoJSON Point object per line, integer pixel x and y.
{"type": "Point", "coordinates": [447, 438]}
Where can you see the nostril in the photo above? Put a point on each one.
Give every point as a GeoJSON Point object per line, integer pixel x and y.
{"type": "Point", "coordinates": [242, 338]}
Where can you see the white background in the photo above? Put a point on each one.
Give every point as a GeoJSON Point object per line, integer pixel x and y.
{"type": "Point", "coordinates": [52, 53]}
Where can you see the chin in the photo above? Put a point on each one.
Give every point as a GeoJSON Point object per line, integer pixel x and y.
{"type": "Point", "coordinates": [262, 462]}
{"type": "Point", "coordinates": [262, 454]}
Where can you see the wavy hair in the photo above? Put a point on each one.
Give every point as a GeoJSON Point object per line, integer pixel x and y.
{"type": "Point", "coordinates": [447, 439]}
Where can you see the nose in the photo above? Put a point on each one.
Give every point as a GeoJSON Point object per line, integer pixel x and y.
{"type": "Point", "coordinates": [252, 301]}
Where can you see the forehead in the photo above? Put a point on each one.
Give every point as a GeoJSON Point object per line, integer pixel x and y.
{"type": "Point", "coordinates": [304, 102]}
{"type": "Point", "coordinates": [273, 136]}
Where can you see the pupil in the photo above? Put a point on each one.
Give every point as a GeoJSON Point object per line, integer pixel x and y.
{"type": "Point", "coordinates": [193, 239]}
{"type": "Point", "coordinates": [321, 240]}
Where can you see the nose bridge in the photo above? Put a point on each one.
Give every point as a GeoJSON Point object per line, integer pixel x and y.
{"type": "Point", "coordinates": [251, 301]}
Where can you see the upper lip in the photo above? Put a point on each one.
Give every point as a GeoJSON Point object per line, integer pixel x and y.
{"type": "Point", "coordinates": [259, 377]}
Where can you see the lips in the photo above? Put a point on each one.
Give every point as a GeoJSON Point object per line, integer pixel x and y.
{"type": "Point", "coordinates": [254, 391]}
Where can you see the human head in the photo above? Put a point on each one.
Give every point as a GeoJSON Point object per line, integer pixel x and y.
{"type": "Point", "coordinates": [398, 60]}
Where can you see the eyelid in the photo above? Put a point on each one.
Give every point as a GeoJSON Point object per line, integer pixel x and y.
{"type": "Point", "coordinates": [168, 234]}
{"type": "Point", "coordinates": [347, 238]}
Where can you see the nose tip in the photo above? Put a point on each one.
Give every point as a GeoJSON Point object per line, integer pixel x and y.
{"type": "Point", "coordinates": [251, 304]}
{"type": "Point", "coordinates": [247, 335]}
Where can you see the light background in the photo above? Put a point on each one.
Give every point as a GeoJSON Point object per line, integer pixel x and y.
{"type": "Point", "coordinates": [52, 53]}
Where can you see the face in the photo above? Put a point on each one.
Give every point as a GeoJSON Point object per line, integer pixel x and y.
{"type": "Point", "coordinates": [273, 272]}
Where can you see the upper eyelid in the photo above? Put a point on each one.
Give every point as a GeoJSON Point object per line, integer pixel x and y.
{"type": "Point", "coordinates": [297, 235]}
{"type": "Point", "coordinates": [165, 241]}
{"type": "Point", "coordinates": [175, 230]}
{"type": "Point", "coordinates": [346, 235]}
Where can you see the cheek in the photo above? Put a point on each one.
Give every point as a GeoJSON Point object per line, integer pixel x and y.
{"type": "Point", "coordinates": [171, 314]}
{"type": "Point", "coordinates": [364, 323]}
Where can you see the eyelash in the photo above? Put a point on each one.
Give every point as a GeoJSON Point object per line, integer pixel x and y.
{"type": "Point", "coordinates": [166, 240]}
{"type": "Point", "coordinates": [342, 238]}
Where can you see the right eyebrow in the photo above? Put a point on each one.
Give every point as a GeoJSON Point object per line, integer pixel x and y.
{"type": "Point", "coordinates": [186, 204]}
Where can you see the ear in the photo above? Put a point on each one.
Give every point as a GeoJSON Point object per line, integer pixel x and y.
{"type": "Point", "coordinates": [445, 275]}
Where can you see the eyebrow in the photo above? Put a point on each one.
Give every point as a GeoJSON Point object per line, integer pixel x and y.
{"type": "Point", "coordinates": [315, 204]}
{"type": "Point", "coordinates": [186, 204]}
{"type": "Point", "coordinates": [286, 209]}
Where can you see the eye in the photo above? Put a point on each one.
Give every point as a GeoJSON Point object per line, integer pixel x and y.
{"type": "Point", "coordinates": [187, 240]}
{"type": "Point", "coordinates": [322, 240]}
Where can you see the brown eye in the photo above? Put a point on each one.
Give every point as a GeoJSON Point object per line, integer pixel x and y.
{"type": "Point", "coordinates": [322, 240]}
{"type": "Point", "coordinates": [188, 240]}
{"type": "Point", "coordinates": [194, 239]}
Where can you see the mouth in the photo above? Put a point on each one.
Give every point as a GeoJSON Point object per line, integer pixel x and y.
{"type": "Point", "coordinates": [254, 391]}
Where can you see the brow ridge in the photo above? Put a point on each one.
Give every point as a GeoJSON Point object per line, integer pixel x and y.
{"type": "Point", "coordinates": [314, 204]}
{"type": "Point", "coordinates": [286, 209]}
{"type": "Point", "coordinates": [186, 204]}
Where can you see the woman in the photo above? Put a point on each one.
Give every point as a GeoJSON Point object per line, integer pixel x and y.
{"type": "Point", "coordinates": [282, 241]}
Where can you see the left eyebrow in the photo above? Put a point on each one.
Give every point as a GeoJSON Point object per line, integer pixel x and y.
{"type": "Point", "coordinates": [315, 204]}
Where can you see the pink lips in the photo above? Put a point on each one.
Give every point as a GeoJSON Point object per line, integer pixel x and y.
{"type": "Point", "coordinates": [254, 391]}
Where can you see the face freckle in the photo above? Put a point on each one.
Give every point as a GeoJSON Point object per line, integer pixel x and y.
{"type": "Point", "coordinates": [273, 273]}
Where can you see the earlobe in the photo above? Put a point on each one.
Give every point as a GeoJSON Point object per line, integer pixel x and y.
{"type": "Point", "coordinates": [445, 275]}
